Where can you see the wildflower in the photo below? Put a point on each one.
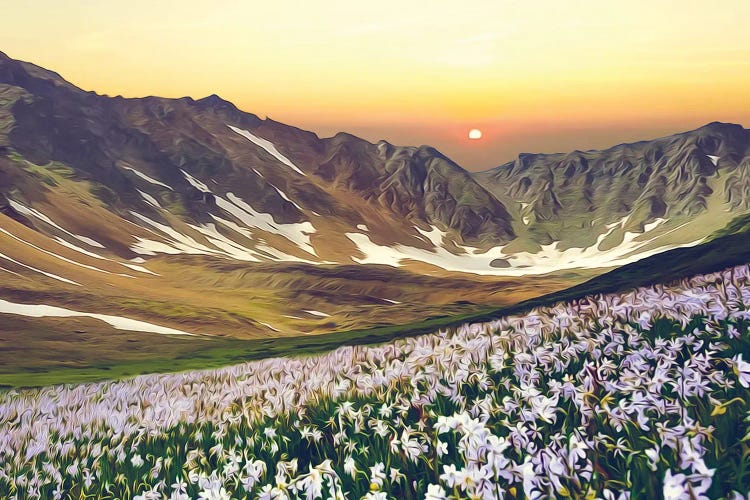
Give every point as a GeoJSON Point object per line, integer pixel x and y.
{"type": "Point", "coordinates": [449, 475]}
{"type": "Point", "coordinates": [675, 487]}
{"type": "Point", "coordinates": [435, 492]}
{"type": "Point", "coordinates": [377, 474]}
{"type": "Point", "coordinates": [215, 493]}
{"type": "Point", "coordinates": [148, 495]}
{"type": "Point", "coordinates": [653, 458]}
{"type": "Point", "coordinates": [385, 411]}
{"type": "Point", "coordinates": [350, 466]}
{"type": "Point", "coordinates": [269, 492]}
{"type": "Point", "coordinates": [269, 432]}
{"type": "Point", "coordinates": [396, 476]}
{"type": "Point", "coordinates": [742, 370]}
{"type": "Point", "coordinates": [312, 484]}
{"type": "Point", "coordinates": [441, 448]}
{"type": "Point", "coordinates": [88, 478]}
{"type": "Point", "coordinates": [375, 495]}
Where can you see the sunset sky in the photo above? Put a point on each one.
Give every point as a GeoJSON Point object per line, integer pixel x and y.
{"type": "Point", "coordinates": [534, 75]}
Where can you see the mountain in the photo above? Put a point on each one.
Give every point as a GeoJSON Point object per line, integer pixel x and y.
{"type": "Point", "coordinates": [685, 183]}
{"type": "Point", "coordinates": [194, 216]}
{"type": "Point", "coordinates": [203, 160]}
{"type": "Point", "coordinates": [177, 216]}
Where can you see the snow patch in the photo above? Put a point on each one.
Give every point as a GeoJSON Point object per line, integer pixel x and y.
{"type": "Point", "coordinates": [180, 242]}
{"type": "Point", "coordinates": [298, 233]}
{"type": "Point", "coordinates": [362, 227]}
{"type": "Point", "coordinates": [118, 322]}
{"type": "Point", "coordinates": [283, 195]}
{"type": "Point", "coordinates": [136, 267]}
{"type": "Point", "coordinates": [53, 254]}
{"type": "Point", "coordinates": [144, 246]}
{"type": "Point", "coordinates": [39, 215]}
{"type": "Point", "coordinates": [11, 272]}
{"type": "Point", "coordinates": [318, 313]}
{"type": "Point", "coordinates": [149, 199]}
{"type": "Point", "coordinates": [78, 249]}
{"type": "Point", "coordinates": [268, 146]}
{"type": "Point", "coordinates": [231, 248]}
{"type": "Point", "coordinates": [714, 159]}
{"type": "Point", "coordinates": [549, 259]}
{"type": "Point", "coordinates": [49, 275]}
{"type": "Point", "coordinates": [653, 225]}
{"type": "Point", "coordinates": [195, 182]}
{"type": "Point", "coordinates": [434, 235]}
{"type": "Point", "coordinates": [146, 177]}
{"type": "Point", "coordinates": [268, 326]}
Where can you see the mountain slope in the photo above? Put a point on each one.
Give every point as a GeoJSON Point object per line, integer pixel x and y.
{"type": "Point", "coordinates": [194, 216]}
{"type": "Point", "coordinates": [136, 208]}
{"type": "Point", "coordinates": [32, 365]}
{"type": "Point", "coordinates": [205, 159]}
{"type": "Point", "coordinates": [696, 178]}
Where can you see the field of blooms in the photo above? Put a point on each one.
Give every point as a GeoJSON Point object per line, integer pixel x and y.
{"type": "Point", "coordinates": [642, 394]}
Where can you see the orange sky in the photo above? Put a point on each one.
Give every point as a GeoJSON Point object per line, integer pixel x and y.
{"type": "Point", "coordinates": [534, 75]}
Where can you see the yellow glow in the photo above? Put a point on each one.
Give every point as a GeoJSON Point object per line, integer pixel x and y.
{"type": "Point", "coordinates": [475, 134]}
{"type": "Point", "coordinates": [519, 66]}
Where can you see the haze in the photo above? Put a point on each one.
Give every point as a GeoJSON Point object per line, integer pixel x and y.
{"type": "Point", "coordinates": [536, 76]}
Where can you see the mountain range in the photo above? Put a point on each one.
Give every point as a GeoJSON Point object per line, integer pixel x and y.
{"type": "Point", "coordinates": [197, 217]}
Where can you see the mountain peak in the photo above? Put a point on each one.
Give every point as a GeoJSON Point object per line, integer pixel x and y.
{"type": "Point", "coordinates": [216, 102]}
{"type": "Point", "coordinates": [717, 125]}
{"type": "Point", "coordinates": [213, 99]}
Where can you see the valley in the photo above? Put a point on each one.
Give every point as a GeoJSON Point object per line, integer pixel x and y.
{"type": "Point", "coordinates": [136, 234]}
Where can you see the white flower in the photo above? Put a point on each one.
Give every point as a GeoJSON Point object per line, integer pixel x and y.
{"type": "Point", "coordinates": [449, 475]}
{"type": "Point", "coordinates": [215, 493]}
{"type": "Point", "coordinates": [377, 474]}
{"type": "Point", "coordinates": [350, 466]}
{"type": "Point", "coordinates": [312, 484]}
{"type": "Point", "coordinates": [396, 476]}
{"type": "Point", "coordinates": [269, 492]}
{"type": "Point", "coordinates": [653, 457]}
{"type": "Point", "coordinates": [742, 370]}
{"type": "Point", "coordinates": [441, 448]}
{"type": "Point", "coordinates": [675, 487]}
{"type": "Point", "coordinates": [269, 432]}
{"type": "Point", "coordinates": [148, 495]}
{"type": "Point", "coordinates": [375, 495]}
{"type": "Point", "coordinates": [435, 492]}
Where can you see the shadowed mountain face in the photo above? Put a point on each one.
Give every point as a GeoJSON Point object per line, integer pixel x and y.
{"type": "Point", "coordinates": [195, 215]}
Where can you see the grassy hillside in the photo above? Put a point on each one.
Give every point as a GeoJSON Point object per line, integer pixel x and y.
{"type": "Point", "coordinates": [728, 247]}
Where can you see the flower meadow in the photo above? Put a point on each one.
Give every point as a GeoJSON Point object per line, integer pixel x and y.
{"type": "Point", "coordinates": [642, 394]}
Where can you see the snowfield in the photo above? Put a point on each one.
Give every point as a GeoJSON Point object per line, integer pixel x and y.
{"type": "Point", "coordinates": [641, 394]}
{"type": "Point", "coordinates": [118, 322]}
{"type": "Point", "coordinates": [547, 260]}
{"type": "Point", "coordinates": [268, 146]}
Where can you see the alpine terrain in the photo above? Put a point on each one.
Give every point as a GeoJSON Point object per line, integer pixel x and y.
{"type": "Point", "coordinates": [154, 228]}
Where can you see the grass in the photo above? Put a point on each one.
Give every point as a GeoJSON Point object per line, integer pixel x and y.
{"type": "Point", "coordinates": [214, 353]}
{"type": "Point", "coordinates": [493, 396]}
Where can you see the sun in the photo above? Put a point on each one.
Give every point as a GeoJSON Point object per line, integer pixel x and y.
{"type": "Point", "coordinates": [475, 134]}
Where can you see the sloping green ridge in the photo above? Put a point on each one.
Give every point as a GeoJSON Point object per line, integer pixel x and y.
{"type": "Point", "coordinates": [726, 248]}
